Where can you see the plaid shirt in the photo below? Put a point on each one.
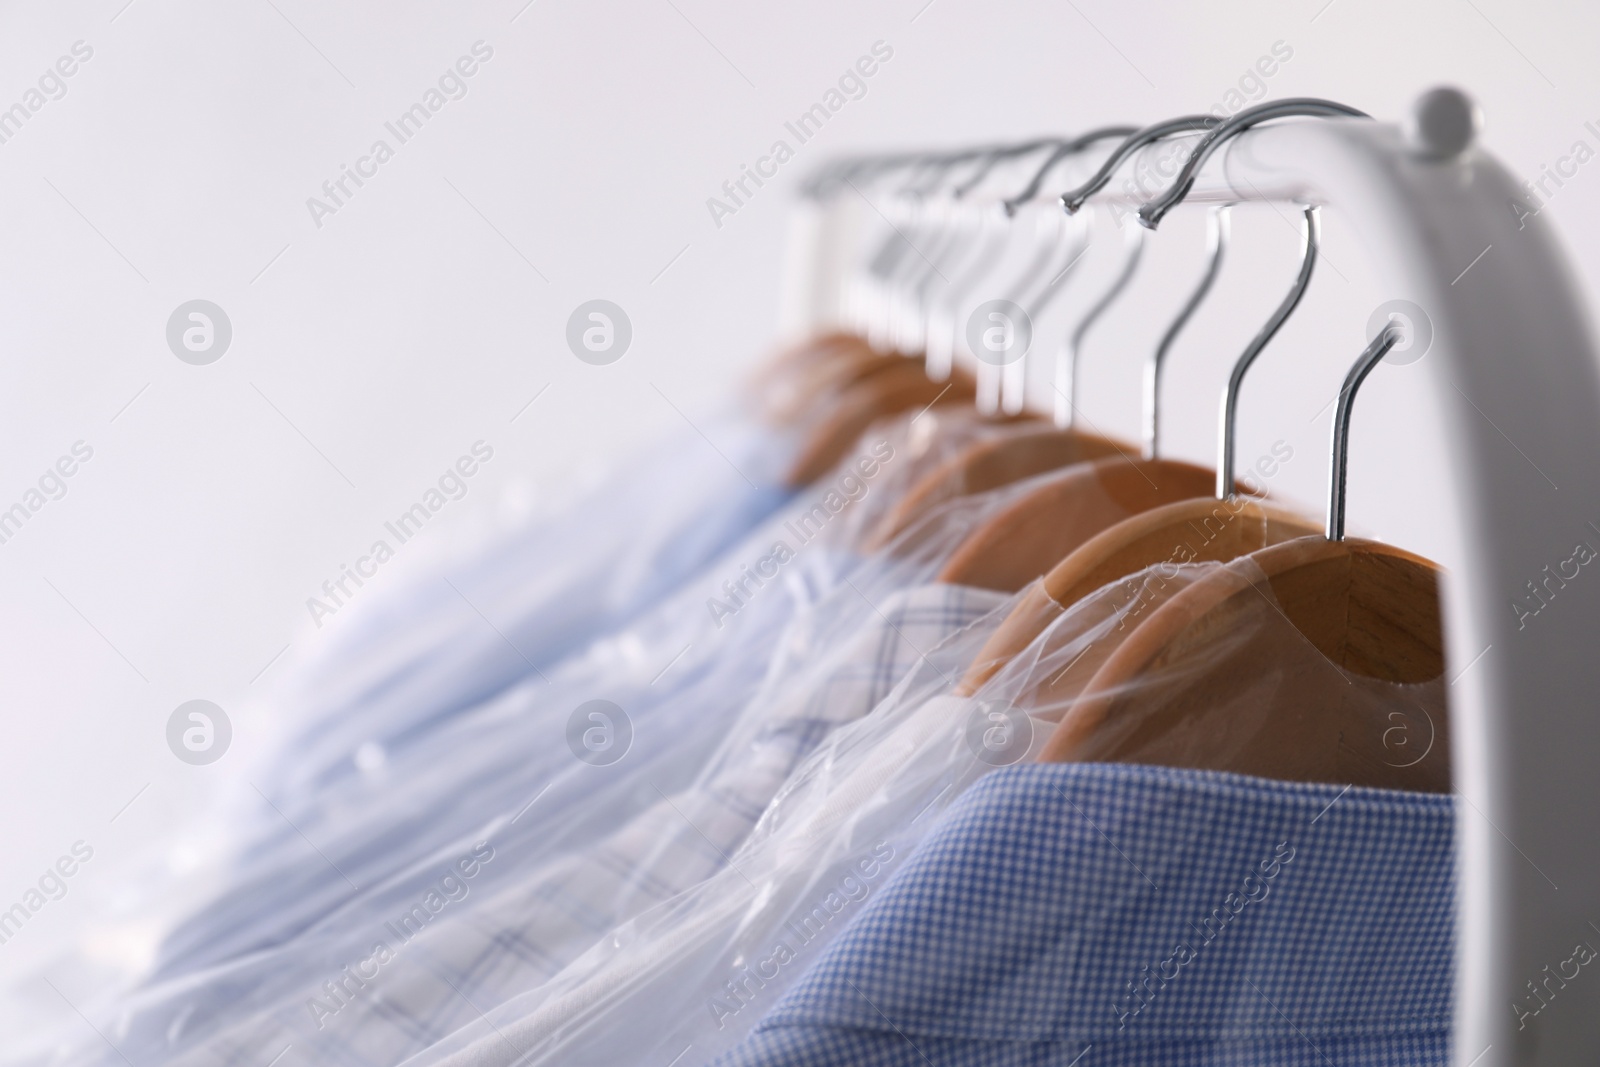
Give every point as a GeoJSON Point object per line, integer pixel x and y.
{"type": "Point", "coordinates": [1128, 915]}
{"type": "Point", "coordinates": [446, 976]}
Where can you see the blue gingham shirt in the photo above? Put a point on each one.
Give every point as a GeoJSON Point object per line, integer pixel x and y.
{"type": "Point", "coordinates": [1103, 915]}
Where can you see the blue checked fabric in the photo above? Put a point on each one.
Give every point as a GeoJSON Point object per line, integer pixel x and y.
{"type": "Point", "coordinates": [440, 980]}
{"type": "Point", "coordinates": [1107, 915]}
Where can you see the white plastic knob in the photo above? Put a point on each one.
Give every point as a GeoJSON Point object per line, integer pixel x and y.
{"type": "Point", "coordinates": [1443, 123]}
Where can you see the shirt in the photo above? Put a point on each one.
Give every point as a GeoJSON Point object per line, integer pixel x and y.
{"type": "Point", "coordinates": [689, 979]}
{"type": "Point", "coordinates": [646, 989]}
{"type": "Point", "coordinates": [1140, 915]}
{"type": "Point", "coordinates": [567, 817]}
{"type": "Point", "coordinates": [463, 632]}
{"type": "Point", "coordinates": [441, 646]}
{"type": "Point", "coordinates": [367, 826]}
{"type": "Point", "coordinates": [519, 939]}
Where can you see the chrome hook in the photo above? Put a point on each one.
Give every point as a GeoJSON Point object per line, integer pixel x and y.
{"type": "Point", "coordinates": [1073, 200]}
{"type": "Point", "coordinates": [1074, 250]}
{"type": "Point", "coordinates": [1217, 232]}
{"type": "Point", "coordinates": [990, 239]}
{"type": "Point", "coordinates": [995, 155]}
{"type": "Point", "coordinates": [1151, 214]}
{"type": "Point", "coordinates": [949, 247]}
{"type": "Point", "coordinates": [1067, 357]}
{"type": "Point", "coordinates": [1339, 465]}
{"type": "Point", "coordinates": [1311, 239]}
{"type": "Point", "coordinates": [1062, 151]}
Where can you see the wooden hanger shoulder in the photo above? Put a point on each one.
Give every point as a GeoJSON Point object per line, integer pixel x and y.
{"type": "Point", "coordinates": [902, 386]}
{"type": "Point", "coordinates": [808, 350]}
{"type": "Point", "coordinates": [1025, 451]}
{"type": "Point", "coordinates": [796, 383]}
{"type": "Point", "coordinates": [1187, 531]}
{"type": "Point", "coordinates": [1031, 535]}
{"type": "Point", "coordinates": [1228, 675]}
{"type": "Point", "coordinates": [1368, 606]}
{"type": "Point", "coordinates": [1032, 615]}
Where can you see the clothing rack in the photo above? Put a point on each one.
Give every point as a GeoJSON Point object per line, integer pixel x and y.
{"type": "Point", "coordinates": [1514, 365]}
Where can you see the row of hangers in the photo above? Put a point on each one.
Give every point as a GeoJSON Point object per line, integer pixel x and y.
{"type": "Point", "coordinates": [1101, 510]}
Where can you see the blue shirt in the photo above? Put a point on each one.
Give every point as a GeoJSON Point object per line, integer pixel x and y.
{"type": "Point", "coordinates": [1119, 914]}
{"type": "Point", "coordinates": [437, 697]}
{"type": "Point", "coordinates": [434, 648]}
{"type": "Point", "coordinates": [503, 775]}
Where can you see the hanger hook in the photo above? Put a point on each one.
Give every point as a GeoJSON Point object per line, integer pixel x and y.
{"type": "Point", "coordinates": [1217, 233]}
{"type": "Point", "coordinates": [1069, 244]}
{"type": "Point", "coordinates": [1311, 240]}
{"type": "Point", "coordinates": [1151, 214]}
{"type": "Point", "coordinates": [912, 333]}
{"type": "Point", "coordinates": [847, 170]}
{"type": "Point", "coordinates": [925, 175]}
{"type": "Point", "coordinates": [1062, 151]}
{"type": "Point", "coordinates": [1067, 358]}
{"type": "Point", "coordinates": [844, 171]}
{"type": "Point", "coordinates": [946, 162]}
{"type": "Point", "coordinates": [996, 154]}
{"type": "Point", "coordinates": [1073, 200]}
{"type": "Point", "coordinates": [1339, 466]}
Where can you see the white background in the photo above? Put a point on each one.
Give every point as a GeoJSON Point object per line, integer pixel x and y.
{"type": "Point", "coordinates": [370, 352]}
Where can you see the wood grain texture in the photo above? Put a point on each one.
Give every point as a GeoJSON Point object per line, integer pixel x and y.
{"type": "Point", "coordinates": [1302, 670]}
{"type": "Point", "coordinates": [1028, 538]}
{"type": "Point", "coordinates": [1188, 531]}
{"type": "Point", "coordinates": [1028, 450]}
{"type": "Point", "coordinates": [901, 386]}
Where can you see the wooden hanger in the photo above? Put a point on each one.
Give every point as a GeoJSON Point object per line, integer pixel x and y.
{"type": "Point", "coordinates": [1034, 534]}
{"type": "Point", "coordinates": [902, 385]}
{"type": "Point", "coordinates": [1216, 529]}
{"type": "Point", "coordinates": [791, 384]}
{"type": "Point", "coordinates": [1189, 531]}
{"type": "Point", "coordinates": [847, 396]}
{"type": "Point", "coordinates": [1025, 540]}
{"type": "Point", "coordinates": [1020, 453]}
{"type": "Point", "coordinates": [806, 350]}
{"type": "Point", "coordinates": [1166, 694]}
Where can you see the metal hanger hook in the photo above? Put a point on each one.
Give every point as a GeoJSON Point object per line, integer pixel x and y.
{"type": "Point", "coordinates": [1339, 464]}
{"type": "Point", "coordinates": [1151, 214]}
{"type": "Point", "coordinates": [1311, 241]}
{"type": "Point", "coordinates": [942, 164]}
{"type": "Point", "coordinates": [995, 155]}
{"type": "Point", "coordinates": [831, 176]}
{"type": "Point", "coordinates": [1067, 358]}
{"type": "Point", "coordinates": [1073, 200]}
{"type": "Point", "coordinates": [1062, 151]}
{"type": "Point", "coordinates": [1217, 234]}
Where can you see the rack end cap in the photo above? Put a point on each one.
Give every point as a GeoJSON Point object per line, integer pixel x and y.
{"type": "Point", "coordinates": [1443, 123]}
